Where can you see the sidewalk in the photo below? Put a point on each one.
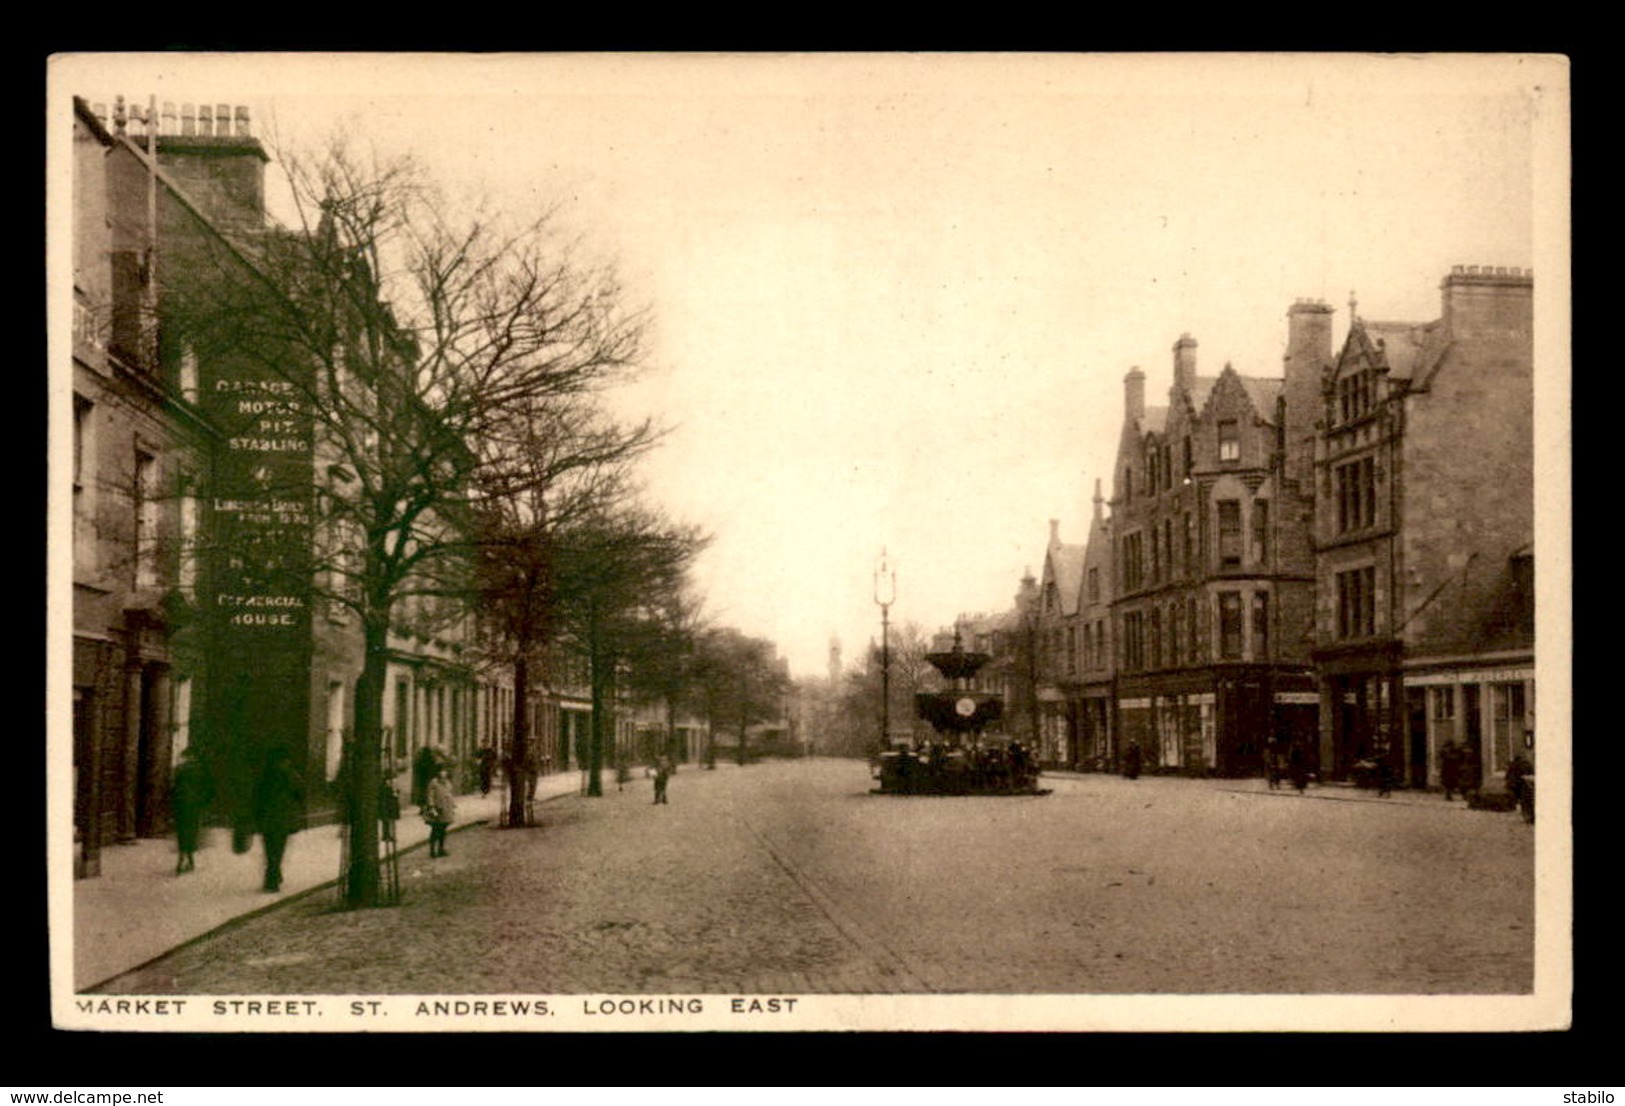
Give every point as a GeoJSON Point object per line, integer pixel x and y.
{"type": "Point", "coordinates": [138, 908]}
{"type": "Point", "coordinates": [1336, 792]}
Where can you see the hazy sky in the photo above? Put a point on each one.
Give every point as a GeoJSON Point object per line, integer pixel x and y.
{"type": "Point", "coordinates": [895, 295]}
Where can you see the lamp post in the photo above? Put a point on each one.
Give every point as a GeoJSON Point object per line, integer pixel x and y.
{"type": "Point", "coordinates": [885, 595]}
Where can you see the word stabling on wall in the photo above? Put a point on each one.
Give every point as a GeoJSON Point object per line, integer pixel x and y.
{"type": "Point", "coordinates": [270, 445]}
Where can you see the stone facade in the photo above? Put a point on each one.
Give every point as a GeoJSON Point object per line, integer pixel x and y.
{"type": "Point", "coordinates": [1211, 580]}
{"type": "Point", "coordinates": [1424, 529]}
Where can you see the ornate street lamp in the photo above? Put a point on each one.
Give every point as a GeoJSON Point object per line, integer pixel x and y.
{"type": "Point", "coordinates": [885, 595]}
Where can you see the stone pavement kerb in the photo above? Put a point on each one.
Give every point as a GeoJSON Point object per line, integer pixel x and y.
{"type": "Point", "coordinates": [138, 908]}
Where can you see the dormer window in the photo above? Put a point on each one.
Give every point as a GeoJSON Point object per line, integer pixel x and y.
{"type": "Point", "coordinates": [1229, 440]}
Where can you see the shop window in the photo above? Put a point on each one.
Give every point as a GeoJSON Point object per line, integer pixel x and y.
{"type": "Point", "coordinates": [1507, 723]}
{"type": "Point", "coordinates": [1444, 703]}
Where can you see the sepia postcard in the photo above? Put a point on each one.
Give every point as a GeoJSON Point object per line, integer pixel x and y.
{"type": "Point", "coordinates": [806, 542]}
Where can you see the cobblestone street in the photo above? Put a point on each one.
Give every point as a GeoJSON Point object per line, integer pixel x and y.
{"type": "Point", "coordinates": [792, 878]}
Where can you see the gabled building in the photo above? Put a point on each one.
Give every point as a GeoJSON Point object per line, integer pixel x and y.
{"type": "Point", "coordinates": [1424, 530]}
{"type": "Point", "coordinates": [1096, 748]}
{"type": "Point", "coordinates": [1212, 583]}
{"type": "Point", "coordinates": [1058, 645]}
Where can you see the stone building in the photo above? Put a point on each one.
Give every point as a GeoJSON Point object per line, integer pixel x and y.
{"type": "Point", "coordinates": [1212, 583]}
{"type": "Point", "coordinates": [1424, 530]}
{"type": "Point", "coordinates": [197, 477]}
{"type": "Point", "coordinates": [1058, 642]}
{"type": "Point", "coordinates": [140, 451]}
{"type": "Point", "coordinates": [1096, 747]}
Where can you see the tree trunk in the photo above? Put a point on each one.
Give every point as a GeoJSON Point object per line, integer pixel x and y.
{"type": "Point", "coordinates": [519, 752]}
{"type": "Point", "coordinates": [597, 678]}
{"type": "Point", "coordinates": [361, 886]}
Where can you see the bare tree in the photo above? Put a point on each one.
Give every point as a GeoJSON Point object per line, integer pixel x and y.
{"type": "Point", "coordinates": [609, 571]}
{"type": "Point", "coordinates": [391, 337]}
{"type": "Point", "coordinates": [553, 469]}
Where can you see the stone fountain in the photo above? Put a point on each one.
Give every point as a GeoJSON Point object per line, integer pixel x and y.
{"type": "Point", "coordinates": [959, 761]}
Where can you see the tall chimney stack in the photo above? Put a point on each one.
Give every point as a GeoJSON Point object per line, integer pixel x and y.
{"type": "Point", "coordinates": [1486, 301]}
{"type": "Point", "coordinates": [1308, 352]}
{"type": "Point", "coordinates": [1185, 364]}
{"type": "Point", "coordinates": [1134, 395]}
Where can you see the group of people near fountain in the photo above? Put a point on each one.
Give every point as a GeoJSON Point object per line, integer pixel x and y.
{"type": "Point", "coordinates": [937, 766]}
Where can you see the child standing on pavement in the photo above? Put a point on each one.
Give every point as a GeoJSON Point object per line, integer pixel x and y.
{"type": "Point", "coordinates": [439, 809]}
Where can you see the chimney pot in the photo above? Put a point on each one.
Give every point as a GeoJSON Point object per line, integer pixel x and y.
{"type": "Point", "coordinates": [169, 117]}
{"type": "Point", "coordinates": [188, 119]}
{"type": "Point", "coordinates": [222, 120]}
{"type": "Point", "coordinates": [205, 119]}
{"type": "Point", "coordinates": [242, 120]}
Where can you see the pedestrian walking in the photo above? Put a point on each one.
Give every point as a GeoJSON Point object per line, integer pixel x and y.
{"type": "Point", "coordinates": [1450, 762]}
{"type": "Point", "coordinates": [487, 758]}
{"type": "Point", "coordinates": [1132, 757]}
{"type": "Point", "coordinates": [1521, 786]}
{"type": "Point", "coordinates": [1472, 773]}
{"type": "Point", "coordinates": [190, 793]}
{"type": "Point", "coordinates": [663, 770]}
{"type": "Point", "coordinates": [1275, 760]}
{"type": "Point", "coordinates": [1297, 767]}
{"type": "Point", "coordinates": [279, 811]}
{"type": "Point", "coordinates": [425, 766]}
{"type": "Point", "coordinates": [439, 809]}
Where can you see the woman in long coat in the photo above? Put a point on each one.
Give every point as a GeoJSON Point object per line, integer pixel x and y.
{"type": "Point", "coordinates": [439, 810]}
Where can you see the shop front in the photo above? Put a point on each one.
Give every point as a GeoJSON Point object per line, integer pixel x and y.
{"type": "Point", "coordinates": [1489, 709]}
{"type": "Point", "coordinates": [1360, 712]}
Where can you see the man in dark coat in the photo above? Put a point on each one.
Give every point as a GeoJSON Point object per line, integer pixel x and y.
{"type": "Point", "coordinates": [1131, 761]}
{"type": "Point", "coordinates": [191, 791]}
{"type": "Point", "coordinates": [487, 758]}
{"type": "Point", "coordinates": [1297, 766]}
{"type": "Point", "coordinates": [1450, 757]}
{"type": "Point", "coordinates": [663, 768]}
{"type": "Point", "coordinates": [279, 810]}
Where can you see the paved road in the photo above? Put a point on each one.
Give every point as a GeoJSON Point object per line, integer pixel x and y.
{"type": "Point", "coordinates": [792, 878]}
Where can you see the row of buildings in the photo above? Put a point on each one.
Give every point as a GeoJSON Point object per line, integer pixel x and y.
{"type": "Point", "coordinates": [186, 467]}
{"type": "Point", "coordinates": [1340, 557]}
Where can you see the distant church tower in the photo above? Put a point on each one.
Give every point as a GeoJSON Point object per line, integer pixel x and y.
{"type": "Point", "coordinates": [834, 663]}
